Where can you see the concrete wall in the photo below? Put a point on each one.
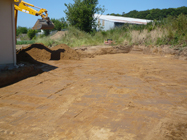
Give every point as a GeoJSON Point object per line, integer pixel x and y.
{"type": "Point", "coordinates": [7, 34]}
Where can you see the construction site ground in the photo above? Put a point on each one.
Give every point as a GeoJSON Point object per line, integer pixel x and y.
{"type": "Point", "coordinates": [123, 96]}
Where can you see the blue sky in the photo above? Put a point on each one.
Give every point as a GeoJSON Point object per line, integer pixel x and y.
{"type": "Point", "coordinates": [56, 7]}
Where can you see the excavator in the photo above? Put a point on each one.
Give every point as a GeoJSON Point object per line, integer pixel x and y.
{"type": "Point", "coordinates": [45, 23]}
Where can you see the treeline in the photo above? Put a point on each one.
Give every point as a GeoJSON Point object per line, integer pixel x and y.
{"type": "Point", "coordinates": [154, 14]}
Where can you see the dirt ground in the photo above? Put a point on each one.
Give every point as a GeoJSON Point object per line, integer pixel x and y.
{"type": "Point", "coordinates": [129, 96]}
{"type": "Point", "coordinates": [38, 52]}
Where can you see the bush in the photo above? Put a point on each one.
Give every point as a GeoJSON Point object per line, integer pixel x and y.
{"type": "Point", "coordinates": [46, 32]}
{"type": "Point", "coordinates": [21, 30]}
{"type": "Point", "coordinates": [31, 33]}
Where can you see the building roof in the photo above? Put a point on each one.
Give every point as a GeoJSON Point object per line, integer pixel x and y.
{"type": "Point", "coordinates": [122, 19]}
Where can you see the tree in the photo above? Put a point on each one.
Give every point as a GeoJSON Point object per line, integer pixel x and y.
{"type": "Point", "coordinates": [46, 32]}
{"type": "Point", "coordinates": [81, 14]}
{"type": "Point", "coordinates": [142, 14]}
{"type": "Point", "coordinates": [118, 15]}
{"type": "Point", "coordinates": [31, 33]}
{"type": "Point", "coordinates": [64, 23]}
{"type": "Point", "coordinates": [59, 24]}
{"type": "Point", "coordinates": [113, 14]}
{"type": "Point", "coordinates": [21, 30]}
{"type": "Point", "coordinates": [156, 14]}
{"type": "Point", "coordinates": [148, 16]}
{"type": "Point", "coordinates": [132, 14]}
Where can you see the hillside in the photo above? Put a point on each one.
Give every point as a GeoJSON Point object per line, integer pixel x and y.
{"type": "Point", "coordinates": [154, 14]}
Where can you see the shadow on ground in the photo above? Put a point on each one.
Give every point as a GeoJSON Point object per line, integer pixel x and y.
{"type": "Point", "coordinates": [34, 57]}
{"type": "Point", "coordinates": [38, 52]}
{"type": "Point", "coordinates": [31, 68]}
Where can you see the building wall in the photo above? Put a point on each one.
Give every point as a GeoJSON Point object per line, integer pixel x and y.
{"type": "Point", "coordinates": [108, 22]}
{"type": "Point", "coordinates": [7, 34]}
{"type": "Point", "coordinates": [117, 24]}
{"type": "Point", "coordinates": [105, 25]}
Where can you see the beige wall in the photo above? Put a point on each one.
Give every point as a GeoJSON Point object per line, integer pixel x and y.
{"type": "Point", "coordinates": [7, 33]}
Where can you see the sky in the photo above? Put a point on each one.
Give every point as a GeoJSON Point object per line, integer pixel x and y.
{"type": "Point", "coordinates": [56, 8]}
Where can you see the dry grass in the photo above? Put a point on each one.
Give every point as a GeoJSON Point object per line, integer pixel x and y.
{"type": "Point", "coordinates": [138, 37]}
{"type": "Point", "coordinates": [146, 37]}
{"type": "Point", "coordinates": [157, 33]}
{"type": "Point", "coordinates": [171, 31]}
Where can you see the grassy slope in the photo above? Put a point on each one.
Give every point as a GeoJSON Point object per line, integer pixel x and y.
{"type": "Point", "coordinates": [171, 31]}
{"type": "Point", "coordinates": [25, 42]}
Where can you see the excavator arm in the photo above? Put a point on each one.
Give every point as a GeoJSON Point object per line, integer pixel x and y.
{"type": "Point", "coordinates": [25, 7]}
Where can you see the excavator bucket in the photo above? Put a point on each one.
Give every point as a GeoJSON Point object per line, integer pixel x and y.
{"type": "Point", "coordinates": [43, 24]}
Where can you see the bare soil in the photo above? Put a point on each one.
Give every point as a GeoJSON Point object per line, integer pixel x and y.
{"type": "Point", "coordinates": [176, 52]}
{"type": "Point", "coordinates": [38, 52]}
{"type": "Point", "coordinates": [125, 96]}
{"type": "Point", "coordinates": [18, 47]}
{"type": "Point", "coordinates": [58, 35]}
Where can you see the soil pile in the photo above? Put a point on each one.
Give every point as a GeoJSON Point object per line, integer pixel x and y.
{"type": "Point", "coordinates": [63, 51]}
{"type": "Point", "coordinates": [38, 52]}
{"type": "Point", "coordinates": [58, 35]}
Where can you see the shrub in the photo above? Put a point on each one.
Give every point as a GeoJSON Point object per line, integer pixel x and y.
{"type": "Point", "coordinates": [21, 30]}
{"type": "Point", "coordinates": [31, 33]}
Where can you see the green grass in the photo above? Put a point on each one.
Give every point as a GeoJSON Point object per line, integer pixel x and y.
{"type": "Point", "coordinates": [169, 31]}
{"type": "Point", "coordinates": [25, 42]}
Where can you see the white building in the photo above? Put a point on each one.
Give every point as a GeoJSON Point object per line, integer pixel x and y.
{"type": "Point", "coordinates": [108, 22]}
{"type": "Point", "coordinates": [7, 34]}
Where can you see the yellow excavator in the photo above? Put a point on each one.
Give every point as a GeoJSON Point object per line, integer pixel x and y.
{"type": "Point", "coordinates": [25, 7]}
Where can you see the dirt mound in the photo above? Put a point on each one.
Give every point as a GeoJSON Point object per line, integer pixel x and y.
{"type": "Point", "coordinates": [64, 52]}
{"type": "Point", "coordinates": [38, 52]}
{"type": "Point", "coordinates": [58, 35]}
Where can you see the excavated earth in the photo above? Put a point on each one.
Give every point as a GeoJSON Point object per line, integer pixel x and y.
{"type": "Point", "coordinates": [31, 60]}
{"type": "Point", "coordinates": [38, 52]}
{"type": "Point", "coordinates": [106, 95]}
